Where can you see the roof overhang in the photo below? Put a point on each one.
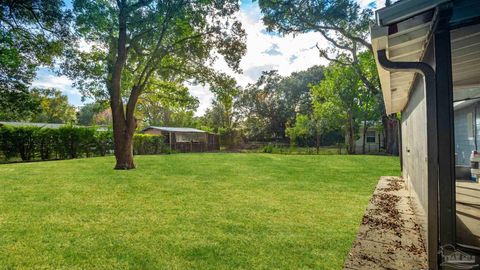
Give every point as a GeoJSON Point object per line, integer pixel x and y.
{"type": "Point", "coordinates": [405, 9]}
{"type": "Point", "coordinates": [403, 41]}
{"type": "Point", "coordinates": [404, 31]}
{"type": "Point", "coordinates": [175, 129]}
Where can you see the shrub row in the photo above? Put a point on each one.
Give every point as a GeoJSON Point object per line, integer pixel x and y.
{"type": "Point", "coordinates": [30, 143]}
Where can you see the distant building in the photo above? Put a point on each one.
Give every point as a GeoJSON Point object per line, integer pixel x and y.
{"type": "Point", "coordinates": [186, 139]}
{"type": "Point", "coordinates": [46, 125]}
{"type": "Point", "coordinates": [29, 124]}
{"type": "Point", "coordinates": [373, 142]}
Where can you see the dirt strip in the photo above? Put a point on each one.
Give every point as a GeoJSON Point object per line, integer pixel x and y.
{"type": "Point", "coordinates": [390, 235]}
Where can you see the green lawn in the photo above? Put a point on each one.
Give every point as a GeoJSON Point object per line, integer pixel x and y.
{"type": "Point", "coordinates": [186, 211]}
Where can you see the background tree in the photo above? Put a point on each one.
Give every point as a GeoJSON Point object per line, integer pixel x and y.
{"type": "Point", "coordinates": [265, 116]}
{"type": "Point", "coordinates": [370, 103]}
{"type": "Point", "coordinates": [223, 116]}
{"type": "Point", "coordinates": [339, 91]}
{"type": "Point", "coordinates": [103, 118]}
{"type": "Point", "coordinates": [301, 130]}
{"type": "Point", "coordinates": [273, 101]}
{"type": "Point", "coordinates": [54, 107]}
{"type": "Point", "coordinates": [167, 104]}
{"type": "Point", "coordinates": [325, 122]}
{"type": "Point", "coordinates": [86, 114]}
{"type": "Point", "coordinates": [32, 34]}
{"type": "Point", "coordinates": [135, 42]}
{"type": "Point", "coordinates": [345, 25]}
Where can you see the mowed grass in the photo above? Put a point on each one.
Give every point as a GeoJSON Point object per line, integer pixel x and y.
{"type": "Point", "coordinates": [186, 211]}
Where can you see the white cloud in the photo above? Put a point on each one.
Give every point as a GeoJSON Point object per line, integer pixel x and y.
{"type": "Point", "coordinates": [53, 81]}
{"type": "Point", "coordinates": [48, 79]}
{"type": "Point", "coordinates": [204, 96]}
{"type": "Point", "coordinates": [366, 3]}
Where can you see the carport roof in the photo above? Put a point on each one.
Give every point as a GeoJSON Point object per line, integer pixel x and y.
{"type": "Point", "coordinates": [177, 129]}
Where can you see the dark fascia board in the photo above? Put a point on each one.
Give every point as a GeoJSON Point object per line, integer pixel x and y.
{"type": "Point", "coordinates": [465, 11]}
{"type": "Point", "coordinates": [405, 9]}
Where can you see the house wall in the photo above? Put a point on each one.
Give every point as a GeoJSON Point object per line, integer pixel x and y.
{"type": "Point", "coordinates": [188, 141]}
{"type": "Point", "coordinates": [465, 141]}
{"type": "Point", "coordinates": [415, 146]}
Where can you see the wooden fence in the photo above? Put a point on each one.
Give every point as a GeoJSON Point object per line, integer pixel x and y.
{"type": "Point", "coordinates": [186, 147]}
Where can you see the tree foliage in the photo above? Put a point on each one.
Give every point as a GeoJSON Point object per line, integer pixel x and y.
{"type": "Point", "coordinates": [54, 106]}
{"type": "Point", "coordinates": [167, 104]}
{"type": "Point", "coordinates": [87, 113]}
{"type": "Point", "coordinates": [339, 92]}
{"type": "Point", "coordinates": [268, 105]}
{"type": "Point", "coordinates": [32, 33]}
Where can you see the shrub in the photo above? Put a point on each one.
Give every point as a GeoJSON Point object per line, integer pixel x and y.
{"type": "Point", "coordinates": [69, 142]}
{"type": "Point", "coordinates": [103, 142]}
{"type": "Point", "coordinates": [19, 141]}
{"type": "Point", "coordinates": [45, 142]}
{"type": "Point", "coordinates": [268, 148]}
{"type": "Point", "coordinates": [6, 143]}
{"type": "Point", "coordinates": [144, 144]}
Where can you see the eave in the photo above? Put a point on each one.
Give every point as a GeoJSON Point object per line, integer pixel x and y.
{"type": "Point", "coordinates": [405, 41]}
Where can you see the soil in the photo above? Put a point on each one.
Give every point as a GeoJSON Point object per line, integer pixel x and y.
{"type": "Point", "coordinates": [384, 215]}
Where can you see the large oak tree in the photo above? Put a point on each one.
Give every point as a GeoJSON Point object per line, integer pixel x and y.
{"type": "Point", "coordinates": [133, 43]}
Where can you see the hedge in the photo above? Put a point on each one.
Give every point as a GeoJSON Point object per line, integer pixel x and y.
{"type": "Point", "coordinates": [31, 143]}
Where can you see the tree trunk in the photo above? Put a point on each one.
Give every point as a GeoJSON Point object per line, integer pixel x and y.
{"type": "Point", "coordinates": [351, 133]}
{"type": "Point", "coordinates": [364, 134]}
{"type": "Point", "coordinates": [123, 131]}
{"type": "Point", "coordinates": [390, 124]}
{"type": "Point", "coordinates": [317, 142]}
{"type": "Point", "coordinates": [123, 124]}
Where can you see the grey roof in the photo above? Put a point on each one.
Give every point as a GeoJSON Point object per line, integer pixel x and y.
{"type": "Point", "coordinates": [29, 124]}
{"type": "Point", "coordinates": [176, 129]}
{"type": "Point", "coordinates": [48, 125]}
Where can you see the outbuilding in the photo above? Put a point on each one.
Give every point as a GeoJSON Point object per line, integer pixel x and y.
{"type": "Point", "coordinates": [184, 139]}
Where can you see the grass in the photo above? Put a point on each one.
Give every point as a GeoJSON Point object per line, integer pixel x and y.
{"type": "Point", "coordinates": [186, 211]}
{"type": "Point", "coordinates": [294, 150]}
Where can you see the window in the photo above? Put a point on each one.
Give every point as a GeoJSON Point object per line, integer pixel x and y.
{"type": "Point", "coordinates": [371, 135]}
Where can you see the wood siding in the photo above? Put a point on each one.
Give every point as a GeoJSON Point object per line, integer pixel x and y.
{"type": "Point", "coordinates": [210, 143]}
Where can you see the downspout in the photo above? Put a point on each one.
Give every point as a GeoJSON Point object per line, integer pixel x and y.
{"type": "Point", "coordinates": [432, 144]}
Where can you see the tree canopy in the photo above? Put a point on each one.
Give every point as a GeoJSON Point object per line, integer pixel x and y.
{"type": "Point", "coordinates": [273, 101]}
{"type": "Point", "coordinates": [32, 33]}
{"type": "Point", "coordinates": [54, 107]}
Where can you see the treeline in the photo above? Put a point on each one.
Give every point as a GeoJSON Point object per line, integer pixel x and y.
{"type": "Point", "coordinates": [264, 110]}
{"type": "Point", "coordinates": [28, 143]}
{"type": "Point", "coordinates": [321, 106]}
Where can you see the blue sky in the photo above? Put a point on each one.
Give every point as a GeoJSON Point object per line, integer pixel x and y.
{"type": "Point", "coordinates": [265, 51]}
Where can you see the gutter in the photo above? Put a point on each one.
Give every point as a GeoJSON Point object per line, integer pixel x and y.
{"type": "Point", "coordinates": [432, 145]}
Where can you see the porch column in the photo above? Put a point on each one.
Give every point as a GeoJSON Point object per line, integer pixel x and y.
{"type": "Point", "coordinates": [445, 127]}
